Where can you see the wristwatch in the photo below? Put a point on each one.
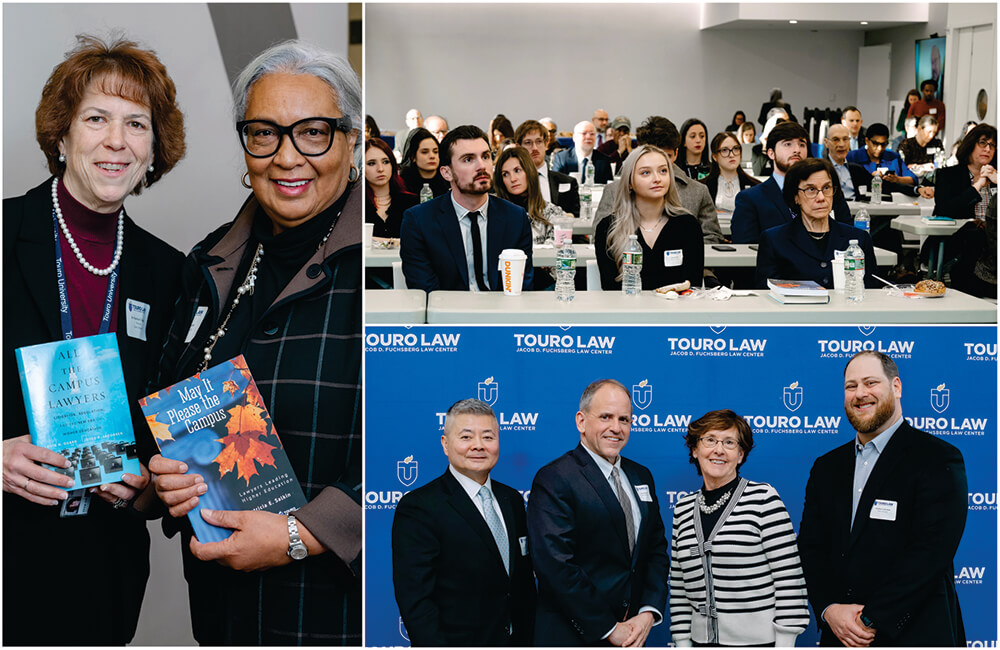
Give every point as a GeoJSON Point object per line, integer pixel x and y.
{"type": "Point", "coordinates": [296, 549]}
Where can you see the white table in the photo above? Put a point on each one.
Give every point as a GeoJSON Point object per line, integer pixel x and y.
{"type": "Point", "coordinates": [917, 226]}
{"type": "Point", "coordinates": [744, 256]}
{"type": "Point", "coordinates": [395, 306]}
{"type": "Point", "coordinates": [598, 307]}
{"type": "Point", "coordinates": [894, 209]}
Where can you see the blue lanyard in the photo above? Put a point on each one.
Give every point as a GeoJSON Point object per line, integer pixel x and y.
{"type": "Point", "coordinates": [64, 315]}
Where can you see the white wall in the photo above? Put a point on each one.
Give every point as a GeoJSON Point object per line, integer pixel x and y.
{"type": "Point", "coordinates": [469, 62]}
{"type": "Point", "coordinates": [202, 192]}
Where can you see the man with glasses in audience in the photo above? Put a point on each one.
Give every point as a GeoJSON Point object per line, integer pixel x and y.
{"type": "Point", "coordinates": [600, 121]}
{"type": "Point", "coordinates": [453, 242]}
{"type": "Point", "coordinates": [918, 152]}
{"type": "Point", "coordinates": [552, 145]}
{"type": "Point", "coordinates": [438, 126]}
{"type": "Point", "coordinates": [584, 151]}
{"type": "Point", "coordinates": [618, 147]}
{"type": "Point", "coordinates": [762, 206]}
{"type": "Point", "coordinates": [557, 188]}
{"type": "Point", "coordinates": [896, 176]}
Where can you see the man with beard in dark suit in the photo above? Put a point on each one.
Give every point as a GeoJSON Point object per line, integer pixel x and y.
{"type": "Point", "coordinates": [460, 564]}
{"type": "Point", "coordinates": [879, 566]}
{"type": "Point", "coordinates": [596, 535]}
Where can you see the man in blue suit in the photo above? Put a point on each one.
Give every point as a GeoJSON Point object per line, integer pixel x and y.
{"type": "Point", "coordinates": [595, 534]}
{"type": "Point", "coordinates": [584, 143]}
{"type": "Point", "coordinates": [453, 242]}
{"type": "Point", "coordinates": [762, 206]}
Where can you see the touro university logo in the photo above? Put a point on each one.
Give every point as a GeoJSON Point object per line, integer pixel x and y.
{"type": "Point", "coordinates": [792, 396]}
{"type": "Point", "coordinates": [940, 399]}
{"type": "Point", "coordinates": [642, 394]}
{"type": "Point", "coordinates": [489, 391]}
{"type": "Point", "coordinates": [406, 470]}
{"type": "Point", "coordinates": [402, 629]}
{"type": "Point", "coordinates": [866, 329]}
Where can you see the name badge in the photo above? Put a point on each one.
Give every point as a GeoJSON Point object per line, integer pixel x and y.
{"type": "Point", "coordinates": [933, 111]}
{"type": "Point", "coordinates": [136, 316]}
{"type": "Point", "coordinates": [523, 541]}
{"type": "Point", "coordinates": [643, 492]}
{"type": "Point", "coordinates": [563, 187]}
{"type": "Point", "coordinates": [673, 258]}
{"type": "Point", "coordinates": [199, 315]}
{"type": "Point", "coordinates": [885, 510]}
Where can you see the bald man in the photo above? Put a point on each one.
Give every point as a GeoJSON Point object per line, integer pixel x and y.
{"type": "Point", "coordinates": [583, 151]}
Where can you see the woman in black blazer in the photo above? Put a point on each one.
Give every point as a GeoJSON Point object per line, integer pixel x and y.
{"type": "Point", "coordinates": [964, 192]}
{"type": "Point", "coordinates": [113, 277]}
{"type": "Point", "coordinates": [421, 164]}
{"type": "Point", "coordinates": [386, 199]}
{"type": "Point", "coordinates": [727, 171]}
{"type": "Point", "coordinates": [803, 248]}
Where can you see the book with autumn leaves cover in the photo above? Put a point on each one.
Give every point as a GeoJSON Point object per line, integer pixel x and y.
{"type": "Point", "coordinates": [217, 423]}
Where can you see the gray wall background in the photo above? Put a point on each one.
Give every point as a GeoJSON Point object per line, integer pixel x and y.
{"type": "Point", "coordinates": [469, 62]}
{"type": "Point", "coordinates": [201, 193]}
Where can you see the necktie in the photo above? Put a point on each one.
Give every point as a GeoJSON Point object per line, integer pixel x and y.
{"type": "Point", "coordinates": [477, 250]}
{"type": "Point", "coordinates": [626, 508]}
{"type": "Point", "coordinates": [496, 527]}
{"type": "Point", "coordinates": [583, 172]}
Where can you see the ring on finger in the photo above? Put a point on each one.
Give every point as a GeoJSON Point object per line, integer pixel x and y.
{"type": "Point", "coordinates": [119, 503]}
{"type": "Point", "coordinates": [25, 487]}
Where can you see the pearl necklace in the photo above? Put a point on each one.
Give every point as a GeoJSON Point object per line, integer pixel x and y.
{"type": "Point", "coordinates": [72, 243]}
{"type": "Point", "coordinates": [246, 289]}
{"type": "Point", "coordinates": [709, 509]}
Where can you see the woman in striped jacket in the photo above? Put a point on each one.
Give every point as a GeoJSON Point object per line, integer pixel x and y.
{"type": "Point", "coordinates": [735, 575]}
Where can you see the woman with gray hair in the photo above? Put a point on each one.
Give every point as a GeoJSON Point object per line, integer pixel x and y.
{"type": "Point", "coordinates": [281, 285]}
{"type": "Point", "coordinates": [647, 204]}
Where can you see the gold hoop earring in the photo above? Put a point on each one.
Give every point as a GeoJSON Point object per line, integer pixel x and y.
{"type": "Point", "coordinates": [354, 174]}
{"type": "Point", "coordinates": [245, 181]}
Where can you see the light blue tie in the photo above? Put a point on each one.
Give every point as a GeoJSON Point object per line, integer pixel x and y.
{"type": "Point", "coordinates": [496, 527]}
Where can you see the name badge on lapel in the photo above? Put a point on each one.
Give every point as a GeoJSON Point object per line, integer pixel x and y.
{"type": "Point", "coordinates": [885, 510]}
{"type": "Point", "coordinates": [523, 541]}
{"type": "Point", "coordinates": [643, 492]}
{"type": "Point", "coordinates": [199, 315]}
{"type": "Point", "coordinates": [136, 317]}
{"type": "Point", "coordinates": [563, 187]}
{"type": "Point", "coordinates": [673, 258]}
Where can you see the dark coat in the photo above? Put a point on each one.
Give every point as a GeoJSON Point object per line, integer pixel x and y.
{"type": "Point", "coordinates": [433, 253]}
{"type": "Point", "coordinates": [788, 253]}
{"type": "Point", "coordinates": [565, 162]}
{"type": "Point", "coordinates": [305, 356]}
{"type": "Point", "coordinates": [587, 582]}
{"type": "Point", "coordinates": [115, 544]}
{"type": "Point", "coordinates": [954, 195]}
{"type": "Point", "coordinates": [762, 206]}
{"type": "Point", "coordinates": [902, 570]}
{"type": "Point", "coordinates": [450, 582]}
{"type": "Point", "coordinates": [568, 200]}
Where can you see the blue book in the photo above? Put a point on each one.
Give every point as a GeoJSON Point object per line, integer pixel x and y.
{"type": "Point", "coordinates": [74, 395]}
{"type": "Point", "coordinates": [217, 423]}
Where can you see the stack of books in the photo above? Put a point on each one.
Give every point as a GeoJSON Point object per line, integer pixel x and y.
{"type": "Point", "coordinates": [797, 292]}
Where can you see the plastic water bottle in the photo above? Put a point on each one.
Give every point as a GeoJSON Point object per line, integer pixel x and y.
{"type": "Point", "coordinates": [862, 221]}
{"type": "Point", "coordinates": [591, 171]}
{"type": "Point", "coordinates": [425, 193]}
{"type": "Point", "coordinates": [566, 272]}
{"type": "Point", "coordinates": [632, 267]}
{"type": "Point", "coordinates": [854, 272]}
{"type": "Point", "coordinates": [876, 188]}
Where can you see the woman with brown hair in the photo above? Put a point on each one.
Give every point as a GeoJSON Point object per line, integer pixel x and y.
{"type": "Point", "coordinates": [78, 265]}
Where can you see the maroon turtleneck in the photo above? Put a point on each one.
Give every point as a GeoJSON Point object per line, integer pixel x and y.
{"type": "Point", "coordinates": [94, 233]}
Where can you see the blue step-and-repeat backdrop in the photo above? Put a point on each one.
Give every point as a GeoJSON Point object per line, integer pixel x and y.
{"type": "Point", "coordinates": [786, 381]}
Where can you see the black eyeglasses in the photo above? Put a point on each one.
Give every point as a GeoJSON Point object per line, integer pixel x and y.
{"type": "Point", "coordinates": [312, 136]}
{"type": "Point", "coordinates": [725, 152]}
{"type": "Point", "coordinates": [811, 191]}
{"type": "Point", "coordinates": [879, 145]}
{"type": "Point", "coordinates": [987, 144]}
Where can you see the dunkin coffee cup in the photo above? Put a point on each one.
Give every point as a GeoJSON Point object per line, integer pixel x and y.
{"type": "Point", "coordinates": [512, 261]}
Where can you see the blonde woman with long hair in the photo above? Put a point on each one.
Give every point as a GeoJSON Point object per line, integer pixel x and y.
{"type": "Point", "coordinates": [646, 204]}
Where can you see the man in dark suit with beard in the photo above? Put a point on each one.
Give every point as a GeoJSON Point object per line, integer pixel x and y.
{"type": "Point", "coordinates": [556, 188]}
{"type": "Point", "coordinates": [460, 564]}
{"type": "Point", "coordinates": [596, 535]}
{"type": "Point", "coordinates": [879, 566]}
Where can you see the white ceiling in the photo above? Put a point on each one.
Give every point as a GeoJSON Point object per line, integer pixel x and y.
{"type": "Point", "coordinates": [812, 16]}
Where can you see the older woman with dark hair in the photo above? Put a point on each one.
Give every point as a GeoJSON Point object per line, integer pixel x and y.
{"type": "Point", "coordinates": [802, 249]}
{"type": "Point", "coordinates": [647, 205]}
{"type": "Point", "coordinates": [422, 164]}
{"type": "Point", "coordinates": [281, 285]}
{"type": "Point", "coordinates": [109, 126]}
{"type": "Point", "coordinates": [692, 156]}
{"type": "Point", "coordinates": [735, 575]}
{"type": "Point", "coordinates": [964, 192]}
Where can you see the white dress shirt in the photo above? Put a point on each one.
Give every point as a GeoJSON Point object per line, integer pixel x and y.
{"type": "Point", "coordinates": [466, 225]}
